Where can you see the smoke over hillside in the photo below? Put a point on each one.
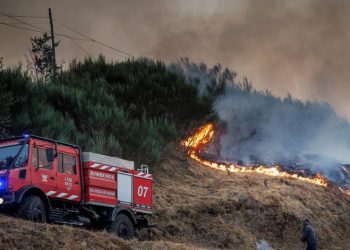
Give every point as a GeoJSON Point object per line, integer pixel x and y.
{"type": "Point", "coordinates": [299, 46]}
{"type": "Point", "coordinates": [264, 129]}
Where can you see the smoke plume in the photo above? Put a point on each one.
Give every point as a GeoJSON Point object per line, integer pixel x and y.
{"type": "Point", "coordinates": [299, 46]}
{"type": "Point", "coordinates": [264, 129]}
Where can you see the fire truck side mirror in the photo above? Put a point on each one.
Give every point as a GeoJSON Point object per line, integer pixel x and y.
{"type": "Point", "coordinates": [49, 155]}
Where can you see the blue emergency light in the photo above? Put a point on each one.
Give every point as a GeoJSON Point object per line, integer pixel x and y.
{"type": "Point", "coordinates": [2, 183]}
{"type": "Point", "coordinates": [26, 136]}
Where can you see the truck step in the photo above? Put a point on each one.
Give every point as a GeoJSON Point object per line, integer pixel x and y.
{"type": "Point", "coordinates": [71, 223]}
{"type": "Point", "coordinates": [57, 215]}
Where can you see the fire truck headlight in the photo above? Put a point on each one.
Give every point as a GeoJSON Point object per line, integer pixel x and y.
{"type": "Point", "coordinates": [1, 201]}
{"type": "Point", "coordinates": [2, 184]}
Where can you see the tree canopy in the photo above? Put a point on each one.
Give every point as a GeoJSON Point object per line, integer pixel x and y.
{"type": "Point", "coordinates": [133, 109]}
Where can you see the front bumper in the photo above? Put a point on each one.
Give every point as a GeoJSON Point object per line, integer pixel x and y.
{"type": "Point", "coordinates": [7, 198]}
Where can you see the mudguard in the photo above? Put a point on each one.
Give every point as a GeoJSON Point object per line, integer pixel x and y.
{"type": "Point", "coordinates": [32, 190]}
{"type": "Point", "coordinates": [126, 211]}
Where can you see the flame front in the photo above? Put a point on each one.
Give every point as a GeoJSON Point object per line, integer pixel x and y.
{"type": "Point", "coordinates": [200, 138]}
{"type": "Point", "coordinates": [204, 135]}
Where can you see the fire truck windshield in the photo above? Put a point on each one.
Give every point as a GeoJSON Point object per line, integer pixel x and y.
{"type": "Point", "coordinates": [9, 153]}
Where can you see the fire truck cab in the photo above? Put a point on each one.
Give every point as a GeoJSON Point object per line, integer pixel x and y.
{"type": "Point", "coordinates": [45, 180]}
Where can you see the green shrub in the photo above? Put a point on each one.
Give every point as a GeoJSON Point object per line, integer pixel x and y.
{"type": "Point", "coordinates": [132, 109]}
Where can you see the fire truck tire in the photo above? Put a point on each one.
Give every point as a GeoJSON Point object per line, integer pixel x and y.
{"type": "Point", "coordinates": [32, 208]}
{"type": "Point", "coordinates": [122, 227]}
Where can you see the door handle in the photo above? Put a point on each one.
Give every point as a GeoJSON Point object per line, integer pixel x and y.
{"type": "Point", "coordinates": [76, 182]}
{"type": "Point", "coordinates": [52, 178]}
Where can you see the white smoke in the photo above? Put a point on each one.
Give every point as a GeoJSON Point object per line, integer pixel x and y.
{"type": "Point", "coordinates": [264, 129]}
{"type": "Point", "coordinates": [263, 245]}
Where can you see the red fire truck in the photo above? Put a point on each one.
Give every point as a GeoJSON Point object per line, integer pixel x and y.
{"type": "Point", "coordinates": [46, 180]}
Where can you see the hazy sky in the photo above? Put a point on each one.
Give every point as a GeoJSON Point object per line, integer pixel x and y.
{"type": "Point", "coordinates": [299, 46]}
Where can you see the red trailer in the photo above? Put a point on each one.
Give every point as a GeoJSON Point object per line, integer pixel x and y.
{"type": "Point", "coordinates": [46, 180]}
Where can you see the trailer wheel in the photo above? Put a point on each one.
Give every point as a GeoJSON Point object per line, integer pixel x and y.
{"type": "Point", "coordinates": [32, 208]}
{"type": "Point", "coordinates": [122, 227]}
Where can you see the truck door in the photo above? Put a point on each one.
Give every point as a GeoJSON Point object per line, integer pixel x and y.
{"type": "Point", "coordinates": [124, 188]}
{"type": "Point", "coordinates": [43, 174]}
{"type": "Point", "coordinates": [68, 177]}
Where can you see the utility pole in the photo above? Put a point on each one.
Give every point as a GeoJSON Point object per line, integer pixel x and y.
{"type": "Point", "coordinates": [53, 44]}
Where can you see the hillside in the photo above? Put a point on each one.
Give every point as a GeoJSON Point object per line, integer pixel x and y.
{"type": "Point", "coordinates": [198, 207]}
{"type": "Point", "coordinates": [134, 109]}
{"type": "Point", "coordinates": [27, 235]}
{"type": "Point", "coordinates": [215, 210]}
{"type": "Point", "coordinates": [140, 110]}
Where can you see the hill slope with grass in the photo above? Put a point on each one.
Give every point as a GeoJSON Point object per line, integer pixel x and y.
{"type": "Point", "coordinates": [196, 207]}
{"type": "Point", "coordinates": [212, 209]}
{"type": "Point", "coordinates": [139, 110]}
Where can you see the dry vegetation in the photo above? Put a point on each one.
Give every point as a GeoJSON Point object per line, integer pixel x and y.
{"type": "Point", "coordinates": [215, 210]}
{"type": "Point", "coordinates": [201, 208]}
{"type": "Point", "coordinates": [19, 234]}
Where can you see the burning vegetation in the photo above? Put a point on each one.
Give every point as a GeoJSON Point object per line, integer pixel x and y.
{"type": "Point", "coordinates": [197, 145]}
{"type": "Point", "coordinates": [262, 133]}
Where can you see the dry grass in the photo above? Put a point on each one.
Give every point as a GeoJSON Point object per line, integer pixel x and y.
{"type": "Point", "coordinates": [201, 208]}
{"type": "Point", "coordinates": [19, 234]}
{"type": "Point", "coordinates": [212, 209]}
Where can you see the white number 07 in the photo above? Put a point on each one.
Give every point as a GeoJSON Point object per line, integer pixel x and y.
{"type": "Point", "coordinates": [142, 191]}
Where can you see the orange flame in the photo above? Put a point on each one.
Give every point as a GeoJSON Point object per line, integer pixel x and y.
{"type": "Point", "coordinates": [203, 136]}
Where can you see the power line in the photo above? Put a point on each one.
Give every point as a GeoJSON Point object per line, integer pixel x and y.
{"type": "Point", "coordinates": [93, 40]}
{"type": "Point", "coordinates": [41, 30]}
{"type": "Point", "coordinates": [25, 23]}
{"type": "Point", "coordinates": [39, 17]}
{"type": "Point", "coordinates": [29, 29]}
{"type": "Point", "coordinates": [21, 27]}
{"type": "Point", "coordinates": [16, 23]}
{"type": "Point", "coordinates": [71, 37]}
{"type": "Point", "coordinates": [78, 32]}
{"type": "Point", "coordinates": [71, 29]}
{"type": "Point", "coordinates": [81, 47]}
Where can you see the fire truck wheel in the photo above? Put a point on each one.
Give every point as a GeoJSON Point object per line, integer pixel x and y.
{"type": "Point", "coordinates": [122, 227]}
{"type": "Point", "coordinates": [32, 208]}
